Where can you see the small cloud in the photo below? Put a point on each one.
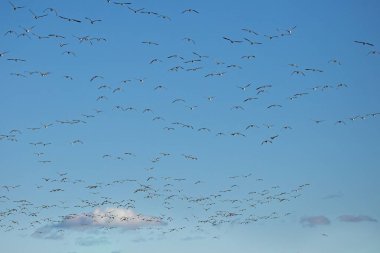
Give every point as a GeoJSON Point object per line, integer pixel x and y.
{"type": "Point", "coordinates": [333, 196]}
{"type": "Point", "coordinates": [125, 219]}
{"type": "Point", "coordinates": [312, 221]}
{"type": "Point", "coordinates": [91, 241]}
{"type": "Point", "coordinates": [48, 232]}
{"type": "Point", "coordinates": [193, 238]}
{"type": "Point", "coordinates": [353, 218]}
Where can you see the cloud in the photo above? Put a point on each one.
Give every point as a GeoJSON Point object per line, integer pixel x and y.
{"type": "Point", "coordinates": [109, 218]}
{"type": "Point", "coordinates": [193, 238]}
{"type": "Point", "coordinates": [333, 196]}
{"type": "Point", "coordinates": [353, 218]}
{"type": "Point", "coordinates": [91, 241]}
{"type": "Point", "coordinates": [312, 221]}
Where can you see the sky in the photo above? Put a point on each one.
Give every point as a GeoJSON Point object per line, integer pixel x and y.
{"type": "Point", "coordinates": [192, 126]}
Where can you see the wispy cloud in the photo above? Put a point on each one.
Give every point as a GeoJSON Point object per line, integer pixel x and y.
{"type": "Point", "coordinates": [358, 218]}
{"type": "Point", "coordinates": [333, 196]}
{"type": "Point", "coordinates": [312, 221]}
{"type": "Point", "coordinates": [193, 238]}
{"type": "Point", "coordinates": [125, 219]}
{"type": "Point", "coordinates": [91, 241]}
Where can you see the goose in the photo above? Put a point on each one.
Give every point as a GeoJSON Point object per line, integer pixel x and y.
{"type": "Point", "coordinates": [37, 16]}
{"type": "Point", "coordinates": [15, 7]}
{"type": "Point", "coordinates": [93, 21]}
{"type": "Point", "coordinates": [298, 72]}
{"type": "Point", "coordinates": [95, 77]}
{"type": "Point", "coordinates": [251, 42]}
{"type": "Point", "coordinates": [136, 10]}
{"type": "Point", "coordinates": [374, 52]}
{"type": "Point", "coordinates": [271, 36]}
{"type": "Point", "coordinates": [232, 41]}
{"type": "Point", "coordinates": [150, 43]}
{"type": "Point", "coordinates": [250, 31]}
{"type": "Point", "coordinates": [274, 105]}
{"type": "Point", "coordinates": [243, 88]}
{"type": "Point", "coordinates": [364, 43]}
{"type": "Point", "coordinates": [249, 99]}
{"type": "Point", "coordinates": [70, 19]}
{"type": "Point", "coordinates": [187, 39]}
{"type": "Point", "coordinates": [190, 11]}
{"type": "Point", "coordinates": [251, 126]}
{"type": "Point", "coordinates": [3, 53]}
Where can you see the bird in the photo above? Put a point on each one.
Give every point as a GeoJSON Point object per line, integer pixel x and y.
{"type": "Point", "coordinates": [298, 72]}
{"type": "Point", "coordinates": [15, 7]}
{"type": "Point", "coordinates": [237, 134]}
{"type": "Point", "coordinates": [95, 77]}
{"type": "Point", "coordinates": [250, 31]}
{"type": "Point", "coordinates": [290, 30]}
{"type": "Point", "coordinates": [37, 16]}
{"type": "Point", "coordinates": [266, 142]}
{"type": "Point", "coordinates": [334, 61]}
{"type": "Point", "coordinates": [69, 53]}
{"type": "Point", "coordinates": [271, 36]}
{"type": "Point", "coordinates": [252, 42]}
{"type": "Point", "coordinates": [251, 126]}
{"type": "Point", "coordinates": [93, 21]}
{"type": "Point", "coordinates": [373, 52]}
{"type": "Point", "coordinates": [248, 57]}
{"type": "Point", "coordinates": [77, 142]}
{"type": "Point", "coordinates": [364, 43]}
{"type": "Point", "coordinates": [190, 11]}
{"type": "Point", "coordinates": [314, 70]}
{"type": "Point", "coordinates": [178, 100]}
{"type": "Point", "coordinates": [249, 99]}
{"type": "Point", "coordinates": [70, 19]}
{"type": "Point", "coordinates": [243, 88]}
{"type": "Point", "coordinates": [3, 53]}
{"type": "Point", "coordinates": [10, 32]}
{"type": "Point", "coordinates": [237, 107]}
{"type": "Point", "coordinates": [49, 9]}
{"type": "Point", "coordinates": [150, 43]}
{"type": "Point", "coordinates": [136, 10]}
{"type": "Point", "coordinates": [154, 61]}
{"type": "Point", "coordinates": [274, 105]}
{"type": "Point", "coordinates": [187, 39]}
{"type": "Point", "coordinates": [16, 60]}
{"type": "Point", "coordinates": [340, 122]}
{"type": "Point", "coordinates": [232, 41]}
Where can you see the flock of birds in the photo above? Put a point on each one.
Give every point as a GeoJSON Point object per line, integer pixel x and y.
{"type": "Point", "coordinates": [228, 204]}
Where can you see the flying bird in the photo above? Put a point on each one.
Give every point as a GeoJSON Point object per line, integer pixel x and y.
{"type": "Point", "coordinates": [364, 43]}
{"type": "Point", "coordinates": [190, 11]}
{"type": "Point", "coordinates": [15, 7]}
{"type": "Point", "coordinates": [93, 21]}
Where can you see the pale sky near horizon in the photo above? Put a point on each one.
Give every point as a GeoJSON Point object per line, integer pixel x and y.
{"type": "Point", "coordinates": [194, 126]}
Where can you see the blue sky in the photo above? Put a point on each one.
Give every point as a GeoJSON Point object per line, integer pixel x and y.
{"type": "Point", "coordinates": [113, 166]}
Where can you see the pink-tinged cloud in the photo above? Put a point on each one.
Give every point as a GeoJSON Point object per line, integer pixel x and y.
{"type": "Point", "coordinates": [353, 218]}
{"type": "Point", "coordinates": [110, 217]}
{"type": "Point", "coordinates": [312, 221]}
{"type": "Point", "coordinates": [125, 219]}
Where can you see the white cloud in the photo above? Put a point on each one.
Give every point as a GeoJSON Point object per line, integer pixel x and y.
{"type": "Point", "coordinates": [125, 219]}
{"type": "Point", "coordinates": [109, 218]}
